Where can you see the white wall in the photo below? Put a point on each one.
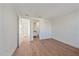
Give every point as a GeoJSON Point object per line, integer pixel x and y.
{"type": "Point", "coordinates": [8, 30]}
{"type": "Point", "coordinates": [66, 28]}
{"type": "Point", "coordinates": [45, 29]}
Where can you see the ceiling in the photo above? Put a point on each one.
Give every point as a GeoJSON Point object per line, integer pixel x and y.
{"type": "Point", "coordinates": [45, 10]}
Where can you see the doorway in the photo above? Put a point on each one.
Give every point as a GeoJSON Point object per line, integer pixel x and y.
{"type": "Point", "coordinates": [36, 29]}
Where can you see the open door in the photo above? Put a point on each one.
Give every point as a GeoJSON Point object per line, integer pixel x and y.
{"type": "Point", "coordinates": [24, 36]}
{"type": "Point", "coordinates": [24, 29]}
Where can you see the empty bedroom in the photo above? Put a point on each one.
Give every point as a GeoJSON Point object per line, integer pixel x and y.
{"type": "Point", "coordinates": [39, 29]}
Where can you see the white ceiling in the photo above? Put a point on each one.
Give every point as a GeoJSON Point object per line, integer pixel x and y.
{"type": "Point", "coordinates": [45, 10]}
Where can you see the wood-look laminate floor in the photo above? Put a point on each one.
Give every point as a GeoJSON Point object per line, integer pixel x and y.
{"type": "Point", "coordinates": [47, 47]}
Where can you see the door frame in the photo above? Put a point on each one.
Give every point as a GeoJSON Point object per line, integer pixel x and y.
{"type": "Point", "coordinates": [17, 31]}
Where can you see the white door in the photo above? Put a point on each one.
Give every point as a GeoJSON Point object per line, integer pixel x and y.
{"type": "Point", "coordinates": [24, 29]}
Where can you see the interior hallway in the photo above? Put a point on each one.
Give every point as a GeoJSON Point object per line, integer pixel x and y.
{"type": "Point", "coordinates": [47, 47]}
